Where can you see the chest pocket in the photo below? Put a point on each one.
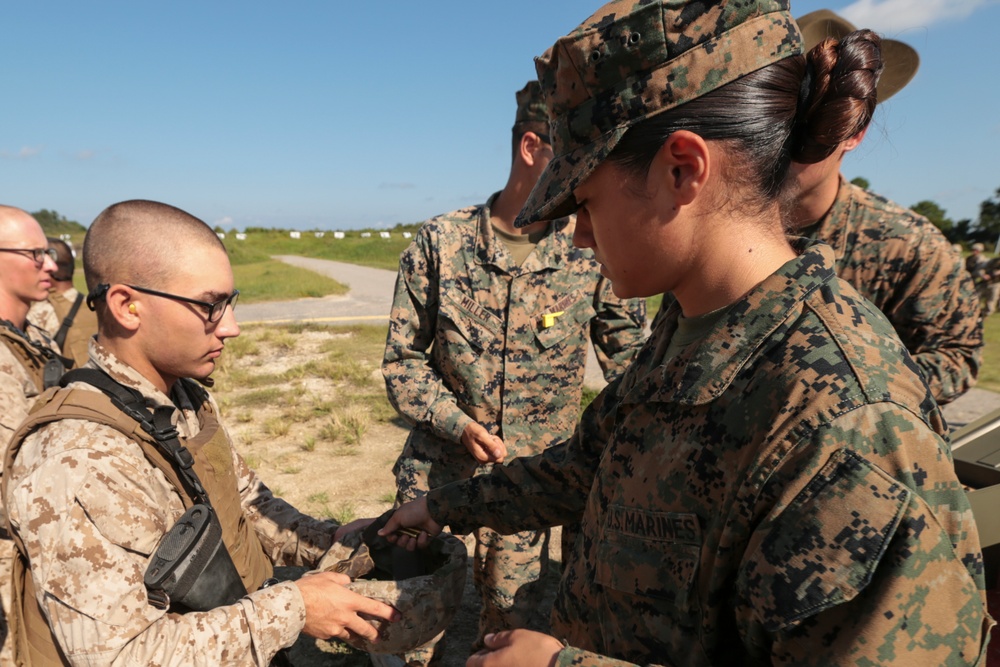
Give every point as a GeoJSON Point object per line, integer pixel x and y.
{"type": "Point", "coordinates": [573, 321]}
{"type": "Point", "coordinates": [467, 320]}
{"type": "Point", "coordinates": [651, 555]}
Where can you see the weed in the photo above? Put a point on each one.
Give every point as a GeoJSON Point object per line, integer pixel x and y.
{"type": "Point", "coordinates": [252, 461]}
{"type": "Point", "coordinates": [277, 426]}
{"type": "Point", "coordinates": [321, 497]}
{"type": "Point", "coordinates": [348, 425]}
{"type": "Point", "coordinates": [258, 398]}
{"type": "Point", "coordinates": [389, 497]}
{"type": "Point", "coordinates": [291, 470]}
{"type": "Point", "coordinates": [309, 444]}
{"type": "Point", "coordinates": [345, 513]}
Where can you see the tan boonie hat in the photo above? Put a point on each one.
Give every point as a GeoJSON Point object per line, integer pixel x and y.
{"type": "Point", "coordinates": [634, 59]}
{"type": "Point", "coordinates": [532, 114]}
{"type": "Point", "coordinates": [899, 61]}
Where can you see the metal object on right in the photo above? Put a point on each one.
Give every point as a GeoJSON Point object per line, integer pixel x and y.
{"type": "Point", "coordinates": [976, 451]}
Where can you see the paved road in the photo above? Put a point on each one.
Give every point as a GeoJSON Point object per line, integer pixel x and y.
{"type": "Point", "coordinates": [370, 300]}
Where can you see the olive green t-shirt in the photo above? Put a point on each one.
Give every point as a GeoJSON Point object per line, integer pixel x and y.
{"type": "Point", "coordinates": [691, 329]}
{"type": "Point", "coordinates": [520, 246]}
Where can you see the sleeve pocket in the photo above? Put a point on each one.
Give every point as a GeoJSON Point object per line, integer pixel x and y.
{"type": "Point", "coordinates": [822, 550]}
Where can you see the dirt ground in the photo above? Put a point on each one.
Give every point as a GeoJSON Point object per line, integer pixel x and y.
{"type": "Point", "coordinates": [306, 407]}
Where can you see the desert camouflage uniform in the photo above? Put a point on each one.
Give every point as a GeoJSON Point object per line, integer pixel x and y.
{"type": "Point", "coordinates": [91, 509]}
{"type": "Point", "coordinates": [17, 393]}
{"type": "Point", "coordinates": [469, 341]}
{"type": "Point", "coordinates": [49, 315]}
{"type": "Point", "coordinates": [904, 265]}
{"type": "Point", "coordinates": [778, 493]}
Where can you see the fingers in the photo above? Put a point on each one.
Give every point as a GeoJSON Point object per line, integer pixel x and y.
{"type": "Point", "coordinates": [351, 527]}
{"type": "Point", "coordinates": [499, 449]}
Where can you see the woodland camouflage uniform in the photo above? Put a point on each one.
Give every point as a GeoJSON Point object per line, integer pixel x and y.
{"type": "Point", "coordinates": [904, 265]}
{"type": "Point", "coordinates": [81, 494]}
{"type": "Point", "coordinates": [778, 493]}
{"type": "Point", "coordinates": [475, 337]}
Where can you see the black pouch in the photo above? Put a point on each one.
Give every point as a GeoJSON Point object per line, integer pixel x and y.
{"type": "Point", "coordinates": [191, 570]}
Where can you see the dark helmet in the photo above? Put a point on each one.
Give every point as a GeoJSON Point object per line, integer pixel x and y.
{"type": "Point", "coordinates": [425, 585]}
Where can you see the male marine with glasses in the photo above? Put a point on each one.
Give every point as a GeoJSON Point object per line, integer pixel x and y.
{"type": "Point", "coordinates": [26, 267]}
{"type": "Point", "coordinates": [91, 493]}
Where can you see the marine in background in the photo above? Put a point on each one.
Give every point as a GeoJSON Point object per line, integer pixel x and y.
{"type": "Point", "coordinates": [486, 354]}
{"type": "Point", "coordinates": [64, 314]}
{"type": "Point", "coordinates": [894, 257]}
{"type": "Point", "coordinates": [26, 352]}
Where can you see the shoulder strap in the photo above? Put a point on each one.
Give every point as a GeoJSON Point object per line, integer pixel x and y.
{"type": "Point", "coordinates": [157, 424]}
{"type": "Point", "coordinates": [60, 337]}
{"type": "Point", "coordinates": [43, 363]}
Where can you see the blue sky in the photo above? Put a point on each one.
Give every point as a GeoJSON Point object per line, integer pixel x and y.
{"type": "Point", "coordinates": [338, 115]}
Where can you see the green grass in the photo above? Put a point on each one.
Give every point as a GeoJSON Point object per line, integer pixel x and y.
{"type": "Point", "coordinates": [271, 280]}
{"type": "Point", "coordinates": [265, 279]}
{"type": "Point", "coordinates": [374, 252]}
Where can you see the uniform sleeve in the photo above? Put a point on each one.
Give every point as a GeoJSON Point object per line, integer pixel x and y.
{"type": "Point", "coordinates": [533, 492]}
{"type": "Point", "coordinates": [413, 386]}
{"type": "Point", "coordinates": [936, 314]}
{"type": "Point", "coordinates": [872, 559]}
{"type": "Point", "coordinates": [14, 405]}
{"type": "Point", "coordinates": [288, 536]}
{"type": "Point", "coordinates": [89, 524]}
{"type": "Point", "coordinates": [618, 329]}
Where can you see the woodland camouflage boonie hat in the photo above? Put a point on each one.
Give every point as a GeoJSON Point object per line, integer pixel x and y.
{"type": "Point", "coordinates": [532, 114]}
{"type": "Point", "coordinates": [634, 59]}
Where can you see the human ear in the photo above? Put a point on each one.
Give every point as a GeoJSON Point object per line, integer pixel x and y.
{"type": "Point", "coordinates": [529, 147]}
{"type": "Point", "coordinates": [681, 166]}
{"type": "Point", "coordinates": [855, 141]}
{"type": "Point", "coordinates": [123, 308]}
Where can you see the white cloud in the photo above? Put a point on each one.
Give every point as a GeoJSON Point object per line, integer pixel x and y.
{"type": "Point", "coordinates": [224, 221]}
{"type": "Point", "coordinates": [26, 152]}
{"type": "Point", "coordinates": [892, 17]}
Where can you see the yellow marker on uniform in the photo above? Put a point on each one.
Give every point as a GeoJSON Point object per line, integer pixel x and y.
{"type": "Point", "coordinates": [549, 319]}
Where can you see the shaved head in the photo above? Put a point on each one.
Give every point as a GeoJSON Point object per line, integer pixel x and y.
{"type": "Point", "coordinates": [16, 224]}
{"type": "Point", "coordinates": [140, 242]}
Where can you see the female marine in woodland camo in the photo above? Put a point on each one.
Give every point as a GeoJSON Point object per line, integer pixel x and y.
{"type": "Point", "coordinates": [767, 483]}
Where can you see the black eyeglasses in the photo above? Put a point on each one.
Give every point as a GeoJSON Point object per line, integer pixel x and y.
{"type": "Point", "coordinates": [37, 254]}
{"type": "Point", "coordinates": [214, 311]}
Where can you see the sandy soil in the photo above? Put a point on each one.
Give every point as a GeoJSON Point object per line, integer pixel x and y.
{"type": "Point", "coordinates": [282, 427]}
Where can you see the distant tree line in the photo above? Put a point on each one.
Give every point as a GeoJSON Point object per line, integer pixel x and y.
{"type": "Point", "coordinates": [985, 229]}
{"type": "Point", "coordinates": [54, 224]}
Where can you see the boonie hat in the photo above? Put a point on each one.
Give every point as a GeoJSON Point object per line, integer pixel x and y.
{"type": "Point", "coordinates": [425, 586]}
{"type": "Point", "coordinates": [532, 114]}
{"type": "Point", "coordinates": [899, 61]}
{"type": "Point", "coordinates": [634, 59]}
